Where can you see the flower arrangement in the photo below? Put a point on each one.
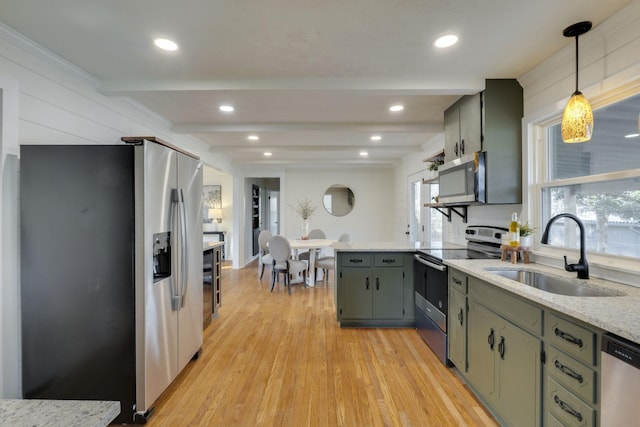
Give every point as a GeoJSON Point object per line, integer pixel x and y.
{"type": "Point", "coordinates": [304, 208]}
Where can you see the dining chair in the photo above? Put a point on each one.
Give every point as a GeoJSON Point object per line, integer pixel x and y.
{"type": "Point", "coordinates": [327, 263]}
{"type": "Point", "coordinates": [280, 250]}
{"type": "Point", "coordinates": [265, 257]}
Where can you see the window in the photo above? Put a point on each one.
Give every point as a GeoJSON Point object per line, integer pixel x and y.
{"type": "Point", "coordinates": [598, 181]}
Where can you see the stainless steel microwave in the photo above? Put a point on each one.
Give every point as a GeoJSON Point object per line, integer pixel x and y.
{"type": "Point", "coordinates": [462, 181]}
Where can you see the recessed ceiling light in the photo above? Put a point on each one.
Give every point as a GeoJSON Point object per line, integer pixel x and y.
{"type": "Point", "coordinates": [632, 135]}
{"type": "Point", "coordinates": [268, 153]}
{"type": "Point", "coordinates": [227, 109]}
{"type": "Point", "coordinates": [364, 154]}
{"type": "Point", "coordinates": [446, 41]}
{"type": "Point", "coordinates": [376, 138]}
{"type": "Point", "coordinates": [396, 108]}
{"type": "Point", "coordinates": [253, 137]}
{"type": "Point", "coordinates": [166, 44]}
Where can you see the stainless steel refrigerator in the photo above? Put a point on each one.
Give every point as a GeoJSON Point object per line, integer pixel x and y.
{"type": "Point", "coordinates": [111, 271]}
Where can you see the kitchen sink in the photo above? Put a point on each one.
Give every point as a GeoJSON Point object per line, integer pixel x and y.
{"type": "Point", "coordinates": [553, 284]}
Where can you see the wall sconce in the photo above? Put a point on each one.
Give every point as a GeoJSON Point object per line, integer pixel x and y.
{"type": "Point", "coordinates": [577, 120]}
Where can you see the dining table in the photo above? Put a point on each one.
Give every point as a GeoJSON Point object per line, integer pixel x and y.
{"type": "Point", "coordinates": [312, 245]}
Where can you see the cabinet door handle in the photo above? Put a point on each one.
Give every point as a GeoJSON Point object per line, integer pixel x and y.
{"type": "Point", "coordinates": [501, 347]}
{"type": "Point", "coordinates": [566, 408]}
{"type": "Point", "coordinates": [568, 337]}
{"type": "Point", "coordinates": [377, 283]}
{"type": "Point", "coordinates": [491, 339]}
{"type": "Point", "coordinates": [461, 316]}
{"type": "Point", "coordinates": [568, 371]}
{"type": "Point", "coordinates": [457, 281]}
{"type": "Point", "coordinates": [366, 283]}
{"type": "Point", "coordinates": [455, 148]}
{"type": "Point", "coordinates": [462, 147]}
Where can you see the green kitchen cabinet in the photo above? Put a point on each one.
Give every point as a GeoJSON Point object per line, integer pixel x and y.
{"type": "Point", "coordinates": [490, 121]}
{"type": "Point", "coordinates": [463, 127]}
{"type": "Point", "coordinates": [504, 366]}
{"type": "Point", "coordinates": [458, 329]}
{"type": "Point", "coordinates": [374, 289]}
{"type": "Point", "coordinates": [356, 293]}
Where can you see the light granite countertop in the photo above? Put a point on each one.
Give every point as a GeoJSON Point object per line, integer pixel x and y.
{"type": "Point", "coordinates": [211, 245]}
{"type": "Point", "coordinates": [55, 413]}
{"type": "Point", "coordinates": [618, 314]}
{"type": "Point", "coordinates": [375, 247]}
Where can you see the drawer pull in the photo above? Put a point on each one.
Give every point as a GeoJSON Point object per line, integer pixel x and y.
{"type": "Point", "coordinates": [461, 316]}
{"type": "Point", "coordinates": [389, 260]}
{"type": "Point", "coordinates": [566, 408]}
{"type": "Point", "coordinates": [491, 339]}
{"type": "Point", "coordinates": [457, 281]}
{"type": "Point", "coordinates": [355, 260]}
{"type": "Point", "coordinates": [568, 337]}
{"type": "Point", "coordinates": [568, 372]}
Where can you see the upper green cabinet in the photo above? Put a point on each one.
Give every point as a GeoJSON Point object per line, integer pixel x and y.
{"type": "Point", "coordinates": [463, 127]}
{"type": "Point", "coordinates": [490, 121]}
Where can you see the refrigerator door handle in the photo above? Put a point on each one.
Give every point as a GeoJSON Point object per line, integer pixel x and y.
{"type": "Point", "coordinates": [183, 249]}
{"type": "Point", "coordinates": [175, 216]}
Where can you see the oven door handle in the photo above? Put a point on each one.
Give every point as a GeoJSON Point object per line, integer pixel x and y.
{"type": "Point", "coordinates": [430, 264]}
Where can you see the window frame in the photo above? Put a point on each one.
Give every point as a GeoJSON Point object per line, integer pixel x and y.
{"type": "Point", "coordinates": [536, 175]}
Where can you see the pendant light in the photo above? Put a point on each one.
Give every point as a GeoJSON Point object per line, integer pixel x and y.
{"type": "Point", "coordinates": [577, 120]}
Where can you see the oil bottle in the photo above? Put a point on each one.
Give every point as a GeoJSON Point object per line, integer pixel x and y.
{"type": "Point", "coordinates": [514, 231]}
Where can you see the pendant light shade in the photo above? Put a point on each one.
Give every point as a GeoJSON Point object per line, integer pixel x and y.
{"type": "Point", "coordinates": [577, 120]}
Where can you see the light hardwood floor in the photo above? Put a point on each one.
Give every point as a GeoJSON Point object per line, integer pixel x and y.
{"type": "Point", "coordinates": [273, 359]}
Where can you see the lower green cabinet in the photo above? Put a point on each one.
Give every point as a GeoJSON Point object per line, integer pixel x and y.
{"type": "Point", "coordinates": [505, 366]}
{"type": "Point", "coordinates": [356, 293]}
{"type": "Point", "coordinates": [530, 365]}
{"type": "Point", "coordinates": [458, 329]}
{"type": "Point", "coordinates": [374, 289]}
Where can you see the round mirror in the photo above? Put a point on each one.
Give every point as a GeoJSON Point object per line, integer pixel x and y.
{"type": "Point", "coordinates": [338, 200]}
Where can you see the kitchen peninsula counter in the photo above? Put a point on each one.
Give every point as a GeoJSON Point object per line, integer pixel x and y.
{"type": "Point", "coordinates": [376, 247]}
{"type": "Point", "coordinates": [68, 413]}
{"type": "Point", "coordinates": [619, 314]}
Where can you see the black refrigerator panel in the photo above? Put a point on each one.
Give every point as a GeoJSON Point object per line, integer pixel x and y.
{"type": "Point", "coordinates": [77, 267]}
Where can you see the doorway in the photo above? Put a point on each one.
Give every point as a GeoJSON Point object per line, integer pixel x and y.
{"type": "Point", "coordinates": [273, 212]}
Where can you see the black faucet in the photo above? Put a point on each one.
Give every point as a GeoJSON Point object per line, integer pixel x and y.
{"type": "Point", "coordinates": [582, 267]}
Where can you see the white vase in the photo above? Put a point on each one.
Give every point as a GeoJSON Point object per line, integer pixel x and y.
{"type": "Point", "coordinates": [526, 241]}
{"type": "Point", "coordinates": [305, 228]}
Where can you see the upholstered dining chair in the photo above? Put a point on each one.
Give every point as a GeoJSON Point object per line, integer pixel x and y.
{"type": "Point", "coordinates": [280, 250]}
{"type": "Point", "coordinates": [264, 256]}
{"type": "Point", "coordinates": [327, 263]}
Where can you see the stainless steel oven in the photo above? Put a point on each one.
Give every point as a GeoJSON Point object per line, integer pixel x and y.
{"type": "Point", "coordinates": [431, 282]}
{"type": "Point", "coordinates": [430, 285]}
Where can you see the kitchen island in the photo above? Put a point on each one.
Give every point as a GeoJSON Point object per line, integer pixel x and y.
{"type": "Point", "coordinates": [374, 284]}
{"type": "Point", "coordinates": [68, 413]}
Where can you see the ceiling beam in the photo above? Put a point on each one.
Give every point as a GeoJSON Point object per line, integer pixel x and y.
{"type": "Point", "coordinates": [403, 86]}
{"type": "Point", "coordinates": [289, 127]}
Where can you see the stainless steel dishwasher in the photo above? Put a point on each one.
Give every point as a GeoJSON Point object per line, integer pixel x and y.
{"type": "Point", "coordinates": [620, 382]}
